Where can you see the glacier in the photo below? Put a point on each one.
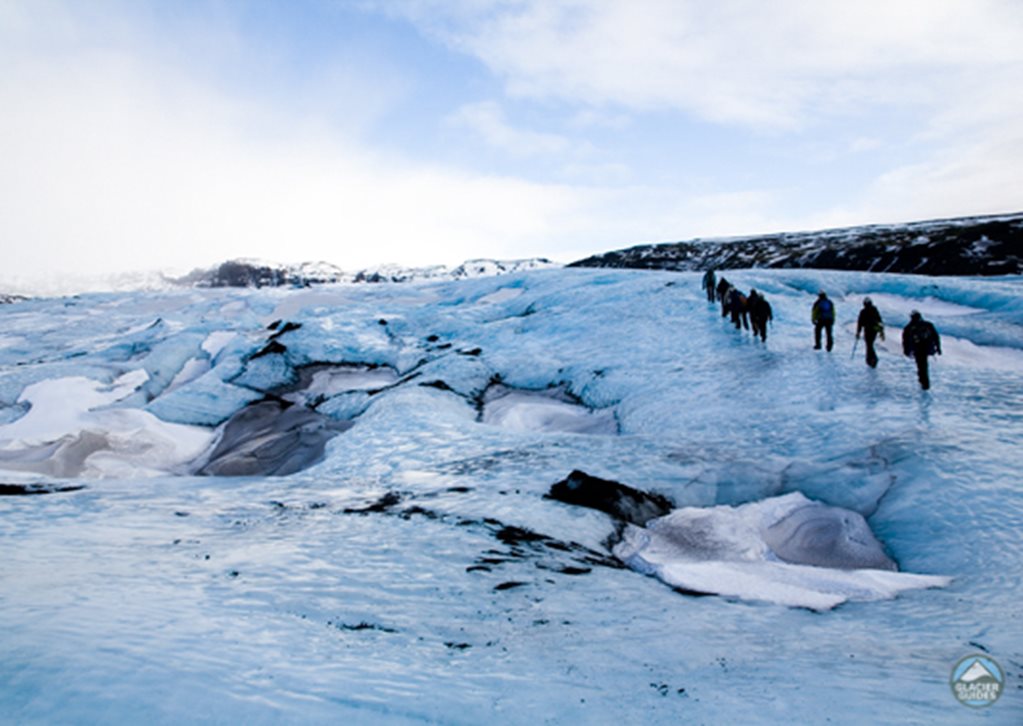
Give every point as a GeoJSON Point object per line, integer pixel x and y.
{"type": "Point", "coordinates": [408, 564]}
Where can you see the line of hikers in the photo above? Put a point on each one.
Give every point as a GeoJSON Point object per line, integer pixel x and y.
{"type": "Point", "coordinates": [920, 339]}
{"type": "Point", "coordinates": [751, 312]}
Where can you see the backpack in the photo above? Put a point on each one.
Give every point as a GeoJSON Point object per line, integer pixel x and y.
{"type": "Point", "coordinates": [825, 310]}
{"type": "Point", "coordinates": [922, 339]}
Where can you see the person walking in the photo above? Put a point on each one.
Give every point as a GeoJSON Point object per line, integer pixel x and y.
{"type": "Point", "coordinates": [759, 314]}
{"type": "Point", "coordinates": [869, 323]}
{"type": "Point", "coordinates": [920, 340]}
{"type": "Point", "coordinates": [823, 316]}
{"type": "Point", "coordinates": [710, 284]}
{"type": "Point", "coordinates": [737, 307]}
{"type": "Point", "coordinates": [722, 290]}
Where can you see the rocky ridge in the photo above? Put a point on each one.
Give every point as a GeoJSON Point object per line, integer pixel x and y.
{"type": "Point", "coordinates": [970, 246]}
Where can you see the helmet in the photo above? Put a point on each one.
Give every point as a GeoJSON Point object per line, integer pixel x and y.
{"type": "Point", "coordinates": [867, 301]}
{"type": "Point", "coordinates": [915, 315]}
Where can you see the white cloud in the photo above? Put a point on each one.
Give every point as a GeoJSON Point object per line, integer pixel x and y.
{"type": "Point", "coordinates": [988, 172]}
{"type": "Point", "coordinates": [863, 144]}
{"type": "Point", "coordinates": [118, 155]}
{"type": "Point", "coordinates": [112, 165]}
{"type": "Point", "coordinates": [737, 61]}
{"type": "Point", "coordinates": [487, 120]}
{"type": "Point", "coordinates": [950, 71]}
{"type": "Point", "coordinates": [108, 166]}
{"type": "Point", "coordinates": [114, 160]}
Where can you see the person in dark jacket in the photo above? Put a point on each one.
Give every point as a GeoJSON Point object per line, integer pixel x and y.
{"type": "Point", "coordinates": [737, 307]}
{"type": "Point", "coordinates": [759, 314]}
{"type": "Point", "coordinates": [823, 316]}
{"type": "Point", "coordinates": [869, 323]}
{"type": "Point", "coordinates": [920, 340]}
{"type": "Point", "coordinates": [722, 290]}
{"type": "Point", "coordinates": [710, 284]}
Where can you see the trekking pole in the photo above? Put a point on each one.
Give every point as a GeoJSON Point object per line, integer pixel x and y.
{"type": "Point", "coordinates": [855, 343]}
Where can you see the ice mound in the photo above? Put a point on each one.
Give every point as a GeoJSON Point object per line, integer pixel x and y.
{"type": "Point", "coordinates": [205, 401]}
{"type": "Point", "coordinates": [788, 550]}
{"type": "Point", "coordinates": [550, 410]}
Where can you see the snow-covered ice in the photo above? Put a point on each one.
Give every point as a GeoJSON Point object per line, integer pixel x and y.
{"type": "Point", "coordinates": [70, 430]}
{"type": "Point", "coordinates": [543, 411]}
{"type": "Point", "coordinates": [416, 570]}
{"type": "Point", "coordinates": [785, 549]}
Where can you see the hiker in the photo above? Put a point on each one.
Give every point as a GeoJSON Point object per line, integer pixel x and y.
{"type": "Point", "coordinates": [737, 307]}
{"type": "Point", "coordinates": [759, 314]}
{"type": "Point", "coordinates": [823, 316]}
{"type": "Point", "coordinates": [920, 340]}
{"type": "Point", "coordinates": [869, 323]}
{"type": "Point", "coordinates": [710, 284]}
{"type": "Point", "coordinates": [722, 290]}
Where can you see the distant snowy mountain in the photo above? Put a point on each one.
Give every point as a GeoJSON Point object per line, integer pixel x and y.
{"type": "Point", "coordinates": [490, 268]}
{"type": "Point", "coordinates": [246, 272]}
{"type": "Point", "coordinates": [466, 270]}
{"type": "Point", "coordinates": [6, 299]}
{"type": "Point", "coordinates": [398, 273]}
{"type": "Point", "coordinates": [261, 273]}
{"type": "Point", "coordinates": [990, 245]}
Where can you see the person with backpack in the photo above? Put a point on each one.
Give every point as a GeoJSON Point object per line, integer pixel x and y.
{"type": "Point", "coordinates": [823, 316]}
{"type": "Point", "coordinates": [737, 307]}
{"type": "Point", "coordinates": [722, 290]}
{"type": "Point", "coordinates": [869, 323]}
{"type": "Point", "coordinates": [759, 314]}
{"type": "Point", "coordinates": [710, 284]}
{"type": "Point", "coordinates": [920, 340]}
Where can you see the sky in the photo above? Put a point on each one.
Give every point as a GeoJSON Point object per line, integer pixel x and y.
{"type": "Point", "coordinates": [168, 135]}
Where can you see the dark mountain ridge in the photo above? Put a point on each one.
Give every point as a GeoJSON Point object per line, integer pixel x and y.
{"type": "Point", "coordinates": [969, 246]}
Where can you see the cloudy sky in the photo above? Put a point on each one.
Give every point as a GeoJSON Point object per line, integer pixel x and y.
{"type": "Point", "coordinates": [169, 134]}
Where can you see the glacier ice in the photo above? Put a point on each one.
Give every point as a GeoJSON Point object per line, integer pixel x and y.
{"type": "Point", "coordinates": [266, 373]}
{"type": "Point", "coordinates": [152, 594]}
{"type": "Point", "coordinates": [204, 401]}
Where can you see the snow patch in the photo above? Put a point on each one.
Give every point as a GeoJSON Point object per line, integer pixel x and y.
{"type": "Point", "coordinates": [333, 380]}
{"type": "Point", "coordinates": [217, 341]}
{"type": "Point", "coordinates": [787, 550]}
{"type": "Point", "coordinates": [525, 411]}
{"type": "Point", "coordinates": [502, 295]}
{"type": "Point", "coordinates": [68, 431]}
